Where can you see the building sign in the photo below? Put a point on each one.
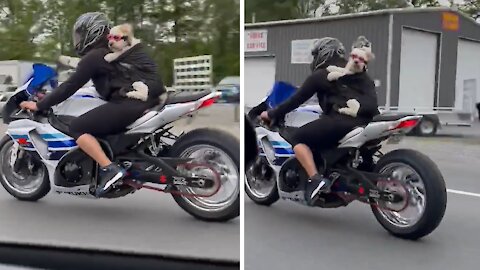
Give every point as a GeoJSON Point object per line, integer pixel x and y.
{"type": "Point", "coordinates": [450, 21]}
{"type": "Point", "coordinates": [256, 40]}
{"type": "Point", "coordinates": [302, 51]}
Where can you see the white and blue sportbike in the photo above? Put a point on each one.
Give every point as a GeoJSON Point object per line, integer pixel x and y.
{"type": "Point", "coordinates": [404, 188]}
{"type": "Point", "coordinates": [199, 168]}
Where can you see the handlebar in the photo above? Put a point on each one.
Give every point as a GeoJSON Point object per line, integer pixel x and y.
{"type": "Point", "coordinates": [274, 125]}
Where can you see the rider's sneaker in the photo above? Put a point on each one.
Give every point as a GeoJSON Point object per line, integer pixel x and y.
{"type": "Point", "coordinates": [316, 185]}
{"type": "Point", "coordinates": [108, 176]}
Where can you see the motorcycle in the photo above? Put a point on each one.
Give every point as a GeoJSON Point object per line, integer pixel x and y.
{"type": "Point", "coordinates": [200, 168]}
{"type": "Point", "coordinates": [404, 187]}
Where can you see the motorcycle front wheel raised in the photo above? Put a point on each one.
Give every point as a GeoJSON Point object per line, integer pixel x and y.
{"type": "Point", "coordinates": [30, 183]}
{"type": "Point", "coordinates": [261, 187]}
{"type": "Point", "coordinates": [221, 151]}
{"type": "Point", "coordinates": [427, 195]}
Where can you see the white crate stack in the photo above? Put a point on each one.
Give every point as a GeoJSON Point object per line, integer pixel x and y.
{"type": "Point", "coordinates": [193, 73]}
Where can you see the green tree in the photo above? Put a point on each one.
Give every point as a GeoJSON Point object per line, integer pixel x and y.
{"type": "Point", "coordinates": [18, 28]}
{"type": "Point", "coordinates": [472, 8]}
{"type": "Point", "coordinates": [40, 30]}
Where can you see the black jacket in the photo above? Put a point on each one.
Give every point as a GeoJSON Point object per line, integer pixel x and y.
{"type": "Point", "coordinates": [333, 95]}
{"type": "Point", "coordinates": [91, 66]}
{"type": "Point", "coordinates": [136, 65]}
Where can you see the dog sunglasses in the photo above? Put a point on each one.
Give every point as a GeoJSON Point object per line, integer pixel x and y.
{"type": "Point", "coordinates": [116, 38]}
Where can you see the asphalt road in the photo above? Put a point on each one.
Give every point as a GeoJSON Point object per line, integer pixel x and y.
{"type": "Point", "coordinates": [145, 222]}
{"type": "Point", "coordinates": [290, 236]}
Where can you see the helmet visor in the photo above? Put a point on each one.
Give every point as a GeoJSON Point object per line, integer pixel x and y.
{"type": "Point", "coordinates": [77, 40]}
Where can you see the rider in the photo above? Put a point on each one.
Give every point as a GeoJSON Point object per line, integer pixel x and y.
{"type": "Point", "coordinates": [90, 40]}
{"type": "Point", "coordinates": [326, 131]}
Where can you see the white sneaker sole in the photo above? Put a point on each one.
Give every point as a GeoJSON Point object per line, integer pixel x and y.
{"type": "Point", "coordinates": [317, 189]}
{"type": "Point", "coordinates": [113, 180]}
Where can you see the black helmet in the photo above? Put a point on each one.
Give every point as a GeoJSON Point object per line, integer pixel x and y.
{"type": "Point", "coordinates": [324, 49]}
{"type": "Point", "coordinates": [88, 29]}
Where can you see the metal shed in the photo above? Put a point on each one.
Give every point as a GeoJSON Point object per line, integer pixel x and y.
{"type": "Point", "coordinates": [427, 59]}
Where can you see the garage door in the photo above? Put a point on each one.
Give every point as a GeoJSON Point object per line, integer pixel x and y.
{"type": "Point", "coordinates": [259, 79]}
{"type": "Point", "coordinates": [468, 76]}
{"type": "Point", "coordinates": [418, 67]}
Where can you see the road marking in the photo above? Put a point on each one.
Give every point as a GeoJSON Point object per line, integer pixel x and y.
{"type": "Point", "coordinates": [463, 193]}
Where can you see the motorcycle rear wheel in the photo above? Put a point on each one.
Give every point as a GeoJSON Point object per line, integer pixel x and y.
{"type": "Point", "coordinates": [427, 194]}
{"type": "Point", "coordinates": [224, 205]}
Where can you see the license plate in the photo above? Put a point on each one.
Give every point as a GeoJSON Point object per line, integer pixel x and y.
{"type": "Point", "coordinates": [395, 139]}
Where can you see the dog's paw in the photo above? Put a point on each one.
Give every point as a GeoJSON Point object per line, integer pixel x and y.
{"type": "Point", "coordinates": [110, 57]}
{"type": "Point", "coordinates": [138, 95]}
{"type": "Point", "coordinates": [68, 61]}
{"type": "Point", "coordinates": [333, 76]}
{"type": "Point", "coordinates": [331, 68]}
{"type": "Point", "coordinates": [140, 86]}
{"type": "Point", "coordinates": [353, 106]}
{"type": "Point", "coordinates": [141, 91]}
{"type": "Point", "coordinates": [348, 111]}
{"type": "Point", "coordinates": [334, 69]}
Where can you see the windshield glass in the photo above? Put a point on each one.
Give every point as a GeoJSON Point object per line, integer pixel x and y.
{"type": "Point", "coordinates": [41, 75]}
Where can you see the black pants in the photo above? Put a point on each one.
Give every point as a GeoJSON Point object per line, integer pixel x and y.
{"type": "Point", "coordinates": [326, 131]}
{"type": "Point", "coordinates": [110, 118]}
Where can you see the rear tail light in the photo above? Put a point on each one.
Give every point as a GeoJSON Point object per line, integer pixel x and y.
{"type": "Point", "coordinates": [406, 124]}
{"type": "Point", "coordinates": [207, 102]}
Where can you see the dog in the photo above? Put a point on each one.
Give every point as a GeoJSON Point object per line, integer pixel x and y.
{"type": "Point", "coordinates": [359, 57]}
{"type": "Point", "coordinates": [121, 39]}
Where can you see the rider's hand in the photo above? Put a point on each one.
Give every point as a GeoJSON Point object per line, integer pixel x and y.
{"type": "Point", "coordinates": [264, 116]}
{"type": "Point", "coordinates": [29, 105]}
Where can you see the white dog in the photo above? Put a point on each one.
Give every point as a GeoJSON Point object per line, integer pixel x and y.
{"type": "Point", "coordinates": [357, 62]}
{"type": "Point", "coordinates": [359, 57]}
{"type": "Point", "coordinates": [120, 40]}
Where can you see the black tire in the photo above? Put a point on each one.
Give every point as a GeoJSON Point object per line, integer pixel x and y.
{"type": "Point", "coordinates": [435, 190]}
{"type": "Point", "coordinates": [228, 144]}
{"type": "Point", "coordinates": [268, 200]}
{"type": "Point", "coordinates": [426, 122]}
{"type": "Point", "coordinates": [39, 193]}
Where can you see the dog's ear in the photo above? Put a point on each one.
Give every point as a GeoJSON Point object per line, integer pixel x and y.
{"type": "Point", "coordinates": [127, 29]}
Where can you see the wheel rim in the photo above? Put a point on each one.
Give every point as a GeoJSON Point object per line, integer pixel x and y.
{"type": "Point", "coordinates": [229, 177]}
{"type": "Point", "coordinates": [416, 191]}
{"type": "Point", "coordinates": [427, 127]}
{"type": "Point", "coordinates": [257, 185]}
{"type": "Point", "coordinates": [21, 182]}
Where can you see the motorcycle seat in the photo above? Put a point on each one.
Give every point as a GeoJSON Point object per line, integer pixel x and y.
{"type": "Point", "coordinates": [182, 97]}
{"type": "Point", "coordinates": [389, 117]}
{"type": "Point", "coordinates": [165, 99]}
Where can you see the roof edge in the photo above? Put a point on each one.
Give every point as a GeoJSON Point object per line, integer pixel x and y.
{"type": "Point", "coordinates": [358, 15]}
